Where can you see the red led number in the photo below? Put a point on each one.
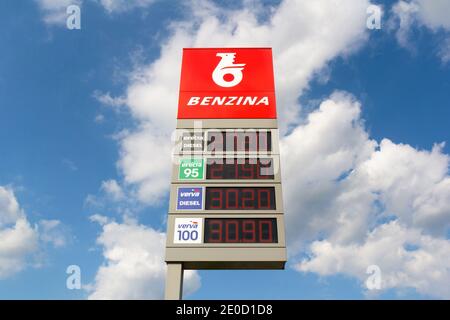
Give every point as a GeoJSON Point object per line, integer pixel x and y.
{"type": "Point", "coordinates": [265, 231]}
{"type": "Point", "coordinates": [240, 230]}
{"type": "Point", "coordinates": [239, 169]}
{"type": "Point", "coordinates": [249, 231]}
{"type": "Point", "coordinates": [240, 198]}
{"type": "Point", "coordinates": [263, 194]}
{"type": "Point", "coordinates": [248, 198]}
{"type": "Point", "coordinates": [231, 231]}
{"type": "Point", "coordinates": [247, 171]}
{"type": "Point", "coordinates": [231, 199]}
{"type": "Point", "coordinates": [216, 199]}
{"type": "Point", "coordinates": [215, 231]}
{"type": "Point", "coordinates": [216, 171]}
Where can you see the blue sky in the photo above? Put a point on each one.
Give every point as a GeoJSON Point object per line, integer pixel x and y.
{"type": "Point", "coordinates": [68, 122]}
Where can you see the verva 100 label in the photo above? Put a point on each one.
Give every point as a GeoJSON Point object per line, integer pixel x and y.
{"type": "Point", "coordinates": [188, 230]}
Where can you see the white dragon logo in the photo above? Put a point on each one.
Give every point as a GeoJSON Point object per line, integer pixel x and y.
{"type": "Point", "coordinates": [227, 66]}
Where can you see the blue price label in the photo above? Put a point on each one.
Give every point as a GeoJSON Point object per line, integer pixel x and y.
{"type": "Point", "coordinates": [190, 198]}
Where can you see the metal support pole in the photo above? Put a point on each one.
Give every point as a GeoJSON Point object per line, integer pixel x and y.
{"type": "Point", "coordinates": [174, 281]}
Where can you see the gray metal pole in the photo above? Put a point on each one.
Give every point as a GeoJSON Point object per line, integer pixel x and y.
{"type": "Point", "coordinates": [174, 281]}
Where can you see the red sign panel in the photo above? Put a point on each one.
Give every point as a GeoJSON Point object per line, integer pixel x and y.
{"type": "Point", "coordinates": [233, 83]}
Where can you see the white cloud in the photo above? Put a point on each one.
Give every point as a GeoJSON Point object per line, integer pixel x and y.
{"type": "Point", "coordinates": [305, 36]}
{"type": "Point", "coordinates": [134, 265]}
{"type": "Point", "coordinates": [106, 99]}
{"type": "Point", "coordinates": [93, 201]}
{"type": "Point", "coordinates": [19, 240]}
{"type": "Point", "coordinates": [100, 219]}
{"type": "Point", "coordinates": [425, 267]}
{"type": "Point", "coordinates": [405, 13]}
{"type": "Point", "coordinates": [10, 210]}
{"type": "Point", "coordinates": [341, 187]}
{"type": "Point", "coordinates": [412, 184]}
{"type": "Point", "coordinates": [314, 157]}
{"type": "Point", "coordinates": [431, 207]}
{"type": "Point", "coordinates": [434, 14]}
{"type": "Point", "coordinates": [69, 164]}
{"type": "Point", "coordinates": [113, 189]}
{"type": "Point", "coordinates": [144, 167]}
{"type": "Point", "coordinates": [99, 118]}
{"type": "Point", "coordinates": [53, 232]}
{"type": "Point", "coordinates": [124, 5]}
{"type": "Point", "coordinates": [430, 14]}
{"type": "Point", "coordinates": [17, 243]}
{"type": "Point", "coordinates": [54, 11]}
{"type": "Point", "coordinates": [444, 51]}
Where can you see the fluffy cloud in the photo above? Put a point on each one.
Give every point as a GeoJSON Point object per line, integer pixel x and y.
{"type": "Point", "coordinates": [412, 184]}
{"type": "Point", "coordinates": [444, 51]}
{"type": "Point", "coordinates": [124, 5]}
{"type": "Point", "coordinates": [19, 240]}
{"type": "Point", "coordinates": [430, 14]}
{"type": "Point", "coordinates": [54, 11]}
{"type": "Point", "coordinates": [113, 190]}
{"type": "Point", "coordinates": [434, 14]}
{"type": "Point", "coordinates": [134, 265]}
{"type": "Point", "coordinates": [145, 168]}
{"type": "Point", "coordinates": [9, 207]}
{"type": "Point", "coordinates": [303, 35]}
{"type": "Point", "coordinates": [314, 157]}
{"type": "Point", "coordinates": [16, 244]}
{"type": "Point", "coordinates": [361, 203]}
{"type": "Point", "coordinates": [407, 259]}
{"type": "Point", "coordinates": [53, 232]}
{"type": "Point", "coordinates": [405, 13]}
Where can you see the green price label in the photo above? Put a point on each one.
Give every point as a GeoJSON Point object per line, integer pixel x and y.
{"type": "Point", "coordinates": [191, 169]}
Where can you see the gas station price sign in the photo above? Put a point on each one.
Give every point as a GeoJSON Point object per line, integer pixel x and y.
{"type": "Point", "coordinates": [227, 167]}
{"type": "Point", "coordinates": [240, 198]}
{"type": "Point", "coordinates": [226, 209]}
{"type": "Point", "coordinates": [241, 230]}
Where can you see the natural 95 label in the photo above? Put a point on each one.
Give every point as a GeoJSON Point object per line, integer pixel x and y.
{"type": "Point", "coordinates": [191, 169]}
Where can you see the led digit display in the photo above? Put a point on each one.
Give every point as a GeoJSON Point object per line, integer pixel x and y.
{"type": "Point", "coordinates": [239, 168]}
{"type": "Point", "coordinates": [250, 141]}
{"type": "Point", "coordinates": [240, 198]}
{"type": "Point", "coordinates": [242, 230]}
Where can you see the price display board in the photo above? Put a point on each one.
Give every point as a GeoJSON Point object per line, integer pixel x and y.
{"type": "Point", "coordinates": [240, 230]}
{"type": "Point", "coordinates": [225, 206]}
{"type": "Point", "coordinates": [240, 168]}
{"type": "Point", "coordinates": [240, 198]}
